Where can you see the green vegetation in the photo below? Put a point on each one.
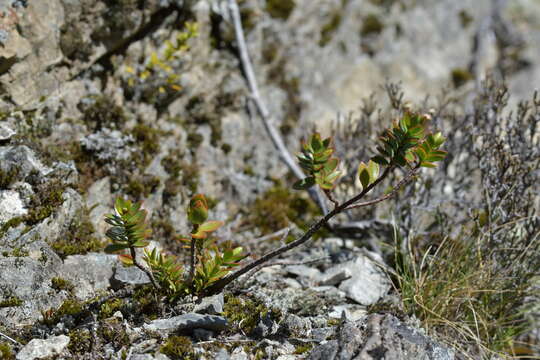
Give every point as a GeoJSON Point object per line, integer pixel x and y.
{"type": "Point", "coordinates": [371, 25]}
{"type": "Point", "coordinates": [244, 313]}
{"type": "Point", "coordinates": [80, 341]}
{"type": "Point", "coordinates": [60, 284]}
{"type": "Point", "coordinates": [11, 301]}
{"type": "Point", "coordinates": [79, 237]}
{"type": "Point", "coordinates": [208, 263]}
{"type": "Point", "coordinates": [280, 9]}
{"type": "Point", "coordinates": [5, 351]}
{"type": "Point", "coordinates": [178, 348]}
{"type": "Point", "coordinates": [328, 29]}
{"type": "Point", "coordinates": [460, 77]}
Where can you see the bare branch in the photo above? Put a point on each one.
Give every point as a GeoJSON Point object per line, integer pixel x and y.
{"type": "Point", "coordinates": [394, 191]}
{"type": "Point", "coordinates": [10, 339]}
{"type": "Point", "coordinates": [143, 269]}
{"type": "Point", "coordinates": [272, 132]}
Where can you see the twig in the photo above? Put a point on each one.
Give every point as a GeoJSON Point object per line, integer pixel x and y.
{"type": "Point", "coordinates": [220, 284]}
{"type": "Point", "coordinates": [143, 269]}
{"type": "Point", "coordinates": [7, 337]}
{"type": "Point", "coordinates": [394, 191]}
{"type": "Point", "coordinates": [272, 132]}
{"type": "Point", "coordinates": [328, 194]}
{"type": "Point", "coordinates": [283, 263]}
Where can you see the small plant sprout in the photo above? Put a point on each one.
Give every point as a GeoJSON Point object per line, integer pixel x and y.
{"type": "Point", "coordinates": [407, 145]}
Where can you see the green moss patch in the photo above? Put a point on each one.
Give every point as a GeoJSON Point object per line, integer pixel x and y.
{"type": "Point", "coordinates": [244, 313]}
{"type": "Point", "coordinates": [178, 348]}
{"type": "Point", "coordinates": [5, 352]}
{"type": "Point", "coordinates": [78, 238]}
{"type": "Point", "coordinates": [328, 29]}
{"type": "Point", "coordinates": [371, 25]}
{"type": "Point", "coordinates": [11, 301]}
{"type": "Point", "coordinates": [280, 9]}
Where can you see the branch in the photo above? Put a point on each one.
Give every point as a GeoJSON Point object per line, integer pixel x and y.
{"type": "Point", "coordinates": [7, 337]}
{"type": "Point", "coordinates": [220, 284]}
{"type": "Point", "coordinates": [143, 269]}
{"type": "Point", "coordinates": [272, 132]}
{"type": "Point", "coordinates": [395, 189]}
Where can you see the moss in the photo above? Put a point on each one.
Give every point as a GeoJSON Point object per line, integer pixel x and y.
{"type": "Point", "coordinates": [178, 348]}
{"type": "Point", "coordinates": [19, 252]}
{"type": "Point", "coordinates": [8, 177]}
{"type": "Point", "coordinates": [109, 307]}
{"type": "Point", "coordinates": [70, 307]}
{"type": "Point", "coordinates": [148, 140]}
{"type": "Point", "coordinates": [465, 18]}
{"type": "Point", "coordinates": [60, 284]}
{"type": "Point", "coordinates": [140, 189]}
{"type": "Point", "coordinates": [5, 351]}
{"type": "Point", "coordinates": [328, 29]}
{"type": "Point", "coordinates": [280, 9]}
{"type": "Point", "coordinates": [113, 332]}
{"type": "Point", "coordinates": [194, 140]}
{"type": "Point", "coordinates": [45, 201]}
{"type": "Point", "coordinates": [9, 224]}
{"type": "Point", "coordinates": [460, 76]}
{"type": "Point", "coordinates": [226, 148]}
{"type": "Point", "coordinates": [302, 349]}
{"type": "Point", "coordinates": [80, 341]}
{"type": "Point", "coordinates": [102, 112]}
{"type": "Point", "coordinates": [278, 207]}
{"type": "Point", "coordinates": [248, 170]}
{"type": "Point", "coordinates": [245, 313]}
{"type": "Point", "coordinates": [79, 238]}
{"type": "Point", "coordinates": [146, 302]}
{"type": "Point", "coordinates": [11, 301]}
{"type": "Point", "coordinates": [371, 25]}
{"type": "Point", "coordinates": [333, 322]}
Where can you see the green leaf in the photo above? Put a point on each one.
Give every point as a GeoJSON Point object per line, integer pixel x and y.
{"type": "Point", "coordinates": [373, 169]}
{"type": "Point", "coordinates": [331, 165]}
{"type": "Point", "coordinates": [332, 176]}
{"type": "Point", "coordinates": [197, 212]}
{"type": "Point", "coordinates": [140, 244]}
{"type": "Point", "coordinates": [363, 175]}
{"type": "Point", "coordinates": [210, 226]}
{"type": "Point", "coordinates": [316, 143]}
{"type": "Point", "coordinates": [304, 184]}
{"type": "Point", "coordinates": [380, 160]}
{"type": "Point", "coordinates": [125, 259]}
{"type": "Point", "coordinates": [112, 248]}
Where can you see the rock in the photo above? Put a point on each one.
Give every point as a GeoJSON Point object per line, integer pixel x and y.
{"type": "Point", "coordinates": [304, 271]}
{"type": "Point", "coordinates": [335, 275]}
{"type": "Point", "coordinates": [91, 273]}
{"type": "Point", "coordinates": [108, 145]}
{"type": "Point", "coordinates": [295, 326]}
{"type": "Point", "coordinates": [40, 349]}
{"type": "Point", "coordinates": [129, 276]}
{"type": "Point", "coordinates": [380, 336]}
{"type": "Point", "coordinates": [210, 305]}
{"type": "Point", "coordinates": [11, 206]}
{"type": "Point", "coordinates": [368, 282]}
{"type": "Point", "coordinates": [187, 322]}
{"type": "Point", "coordinates": [352, 312]}
{"type": "Point", "coordinates": [265, 327]}
{"type": "Point", "coordinates": [6, 132]}
{"type": "Point", "coordinates": [23, 159]}
{"type": "Point", "coordinates": [98, 199]}
{"type": "Point", "coordinates": [202, 334]}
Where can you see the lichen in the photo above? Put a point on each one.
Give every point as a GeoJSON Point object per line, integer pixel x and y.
{"type": "Point", "coordinates": [302, 349]}
{"type": "Point", "coordinates": [178, 348]}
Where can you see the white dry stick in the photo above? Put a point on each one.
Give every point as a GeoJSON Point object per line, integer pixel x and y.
{"type": "Point", "coordinates": [275, 136]}
{"type": "Point", "coordinates": [7, 337]}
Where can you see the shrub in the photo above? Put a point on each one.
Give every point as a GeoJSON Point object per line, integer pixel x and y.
{"type": "Point", "coordinates": [406, 145]}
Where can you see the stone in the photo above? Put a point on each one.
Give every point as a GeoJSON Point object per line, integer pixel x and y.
{"type": "Point", "coordinates": [91, 272]}
{"type": "Point", "coordinates": [11, 206]}
{"type": "Point", "coordinates": [40, 349]}
{"type": "Point", "coordinates": [124, 275]}
{"type": "Point", "coordinates": [368, 282]}
{"type": "Point", "coordinates": [108, 145]}
{"type": "Point", "coordinates": [380, 336]}
{"type": "Point", "coordinates": [6, 132]}
{"type": "Point", "coordinates": [188, 321]}
{"type": "Point", "coordinates": [335, 275]}
{"type": "Point", "coordinates": [295, 326]}
{"type": "Point", "coordinates": [212, 305]}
